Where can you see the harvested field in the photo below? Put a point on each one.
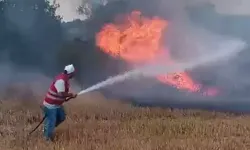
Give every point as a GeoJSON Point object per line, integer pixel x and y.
{"type": "Point", "coordinates": [96, 124]}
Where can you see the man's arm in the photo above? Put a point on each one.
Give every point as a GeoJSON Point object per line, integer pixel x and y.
{"type": "Point", "coordinates": [60, 87]}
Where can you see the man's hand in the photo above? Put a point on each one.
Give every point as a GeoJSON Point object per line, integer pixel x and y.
{"type": "Point", "coordinates": [70, 96]}
{"type": "Point", "coordinates": [74, 95]}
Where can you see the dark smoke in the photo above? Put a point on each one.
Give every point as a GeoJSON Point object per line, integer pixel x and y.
{"type": "Point", "coordinates": [30, 37]}
{"type": "Point", "coordinates": [231, 77]}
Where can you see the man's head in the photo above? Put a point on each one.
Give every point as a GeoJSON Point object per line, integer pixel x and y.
{"type": "Point", "coordinates": [69, 70]}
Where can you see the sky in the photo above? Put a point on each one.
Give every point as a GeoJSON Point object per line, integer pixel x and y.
{"type": "Point", "coordinates": [68, 8]}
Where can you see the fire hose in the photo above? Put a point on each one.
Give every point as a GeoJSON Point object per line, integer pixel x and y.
{"type": "Point", "coordinates": [44, 119]}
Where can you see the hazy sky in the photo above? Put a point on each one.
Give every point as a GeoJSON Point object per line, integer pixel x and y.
{"type": "Point", "coordinates": [68, 8]}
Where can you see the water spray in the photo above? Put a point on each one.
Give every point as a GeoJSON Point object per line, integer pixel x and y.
{"type": "Point", "coordinates": [151, 70]}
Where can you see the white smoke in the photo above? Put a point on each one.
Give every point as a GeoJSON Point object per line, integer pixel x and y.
{"type": "Point", "coordinates": [232, 7]}
{"type": "Point", "coordinates": [236, 7]}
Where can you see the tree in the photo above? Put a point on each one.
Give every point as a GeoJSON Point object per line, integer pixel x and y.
{"type": "Point", "coordinates": [88, 6]}
{"type": "Point", "coordinates": [2, 25]}
{"type": "Point", "coordinates": [31, 33]}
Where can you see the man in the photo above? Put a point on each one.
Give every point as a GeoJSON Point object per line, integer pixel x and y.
{"type": "Point", "coordinates": [57, 94]}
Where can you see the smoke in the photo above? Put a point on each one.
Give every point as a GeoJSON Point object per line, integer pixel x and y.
{"type": "Point", "coordinates": [231, 7]}
{"type": "Point", "coordinates": [196, 28]}
{"type": "Point", "coordinates": [25, 84]}
{"type": "Point", "coordinates": [21, 84]}
{"type": "Point", "coordinates": [199, 28]}
{"type": "Point", "coordinates": [30, 39]}
{"type": "Point", "coordinates": [161, 67]}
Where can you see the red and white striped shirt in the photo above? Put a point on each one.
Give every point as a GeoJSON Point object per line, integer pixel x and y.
{"type": "Point", "coordinates": [52, 98]}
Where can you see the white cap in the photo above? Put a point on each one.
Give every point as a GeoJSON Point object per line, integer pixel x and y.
{"type": "Point", "coordinates": [69, 68]}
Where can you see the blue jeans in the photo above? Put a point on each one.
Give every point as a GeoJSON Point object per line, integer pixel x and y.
{"type": "Point", "coordinates": [53, 118]}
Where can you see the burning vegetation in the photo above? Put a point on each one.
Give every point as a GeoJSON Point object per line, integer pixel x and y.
{"type": "Point", "coordinates": [137, 39]}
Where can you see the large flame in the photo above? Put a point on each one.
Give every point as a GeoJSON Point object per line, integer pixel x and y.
{"type": "Point", "coordinates": [138, 40]}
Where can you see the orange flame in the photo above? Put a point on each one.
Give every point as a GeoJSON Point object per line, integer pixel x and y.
{"type": "Point", "coordinates": [138, 40]}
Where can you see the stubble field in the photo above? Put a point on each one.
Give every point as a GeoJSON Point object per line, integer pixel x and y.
{"type": "Point", "coordinates": [93, 123]}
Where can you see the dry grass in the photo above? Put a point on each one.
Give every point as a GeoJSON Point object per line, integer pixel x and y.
{"type": "Point", "coordinates": [93, 123]}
